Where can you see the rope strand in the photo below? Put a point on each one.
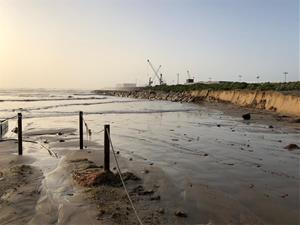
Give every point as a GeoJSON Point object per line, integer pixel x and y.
{"type": "Point", "coordinates": [123, 183]}
{"type": "Point", "coordinates": [9, 118]}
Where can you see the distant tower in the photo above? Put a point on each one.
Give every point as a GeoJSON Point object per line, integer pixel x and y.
{"type": "Point", "coordinates": [285, 74]}
{"type": "Point", "coordinates": [240, 77]}
{"type": "Point", "coordinates": [257, 77]}
{"type": "Point", "coordinates": [177, 78]}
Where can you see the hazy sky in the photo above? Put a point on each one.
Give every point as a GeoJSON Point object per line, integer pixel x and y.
{"type": "Point", "coordinates": [94, 44]}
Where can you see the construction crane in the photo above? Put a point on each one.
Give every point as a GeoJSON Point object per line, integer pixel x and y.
{"type": "Point", "coordinates": [151, 80]}
{"type": "Point", "coordinates": [189, 80]}
{"type": "Point", "coordinates": [159, 77]}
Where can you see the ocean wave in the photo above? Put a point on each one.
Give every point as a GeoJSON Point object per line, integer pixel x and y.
{"type": "Point", "coordinates": [64, 114]}
{"type": "Point", "coordinates": [51, 99]}
{"type": "Point", "coordinates": [64, 105]}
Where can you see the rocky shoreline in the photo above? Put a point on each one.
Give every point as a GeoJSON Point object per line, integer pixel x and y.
{"type": "Point", "coordinates": [278, 102]}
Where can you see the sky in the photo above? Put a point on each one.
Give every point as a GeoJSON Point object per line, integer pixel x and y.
{"type": "Point", "coordinates": [91, 44]}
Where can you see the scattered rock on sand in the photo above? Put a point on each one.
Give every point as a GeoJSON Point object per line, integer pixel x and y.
{"type": "Point", "coordinates": [15, 130]}
{"type": "Point", "coordinates": [296, 120]}
{"type": "Point", "coordinates": [161, 211]}
{"type": "Point", "coordinates": [271, 127]}
{"type": "Point", "coordinates": [141, 191]}
{"type": "Point", "coordinates": [246, 116]}
{"type": "Point", "coordinates": [180, 213]}
{"type": "Point", "coordinates": [292, 147]}
{"type": "Point", "coordinates": [155, 198]}
{"type": "Point", "coordinates": [284, 195]}
{"type": "Point", "coordinates": [130, 176]}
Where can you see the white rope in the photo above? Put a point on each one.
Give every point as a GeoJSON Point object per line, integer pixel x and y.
{"type": "Point", "coordinates": [12, 133]}
{"type": "Point", "coordinates": [52, 153]}
{"type": "Point", "coordinates": [120, 174]}
{"type": "Point", "coordinates": [99, 132]}
{"type": "Point", "coordinates": [10, 118]}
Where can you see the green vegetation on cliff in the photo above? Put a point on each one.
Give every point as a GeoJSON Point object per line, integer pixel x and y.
{"type": "Point", "coordinates": [290, 86]}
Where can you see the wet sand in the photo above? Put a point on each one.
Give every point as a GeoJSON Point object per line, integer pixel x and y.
{"type": "Point", "coordinates": [28, 197]}
{"type": "Point", "coordinates": [218, 169]}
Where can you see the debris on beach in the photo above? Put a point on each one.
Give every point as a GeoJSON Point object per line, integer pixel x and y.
{"type": "Point", "coordinates": [292, 147]}
{"type": "Point", "coordinates": [141, 191]}
{"type": "Point", "coordinates": [296, 120]}
{"type": "Point", "coordinates": [15, 130]}
{"type": "Point", "coordinates": [246, 116]}
{"type": "Point", "coordinates": [155, 198]}
{"type": "Point", "coordinates": [130, 176]}
{"type": "Point", "coordinates": [180, 213]}
{"type": "Point", "coordinates": [88, 174]}
{"type": "Point", "coordinates": [284, 195]}
{"type": "Point", "coordinates": [160, 210]}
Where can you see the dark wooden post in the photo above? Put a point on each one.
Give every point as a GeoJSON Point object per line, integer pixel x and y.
{"type": "Point", "coordinates": [106, 147]}
{"type": "Point", "coordinates": [81, 130]}
{"type": "Point", "coordinates": [20, 144]}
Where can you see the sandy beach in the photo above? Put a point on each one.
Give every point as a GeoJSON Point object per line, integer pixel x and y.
{"type": "Point", "coordinates": [183, 163]}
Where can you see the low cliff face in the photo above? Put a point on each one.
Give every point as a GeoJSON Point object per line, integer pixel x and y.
{"type": "Point", "coordinates": [273, 101]}
{"type": "Point", "coordinates": [267, 100]}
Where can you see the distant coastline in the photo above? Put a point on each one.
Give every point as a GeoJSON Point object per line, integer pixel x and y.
{"type": "Point", "coordinates": [282, 98]}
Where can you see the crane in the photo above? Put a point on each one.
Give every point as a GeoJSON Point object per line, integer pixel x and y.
{"type": "Point", "coordinates": [151, 80]}
{"type": "Point", "coordinates": [160, 79]}
{"type": "Point", "coordinates": [189, 75]}
{"type": "Point", "coordinates": [189, 80]}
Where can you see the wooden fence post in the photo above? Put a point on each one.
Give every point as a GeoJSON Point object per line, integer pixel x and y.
{"type": "Point", "coordinates": [106, 147]}
{"type": "Point", "coordinates": [81, 130]}
{"type": "Point", "coordinates": [20, 144]}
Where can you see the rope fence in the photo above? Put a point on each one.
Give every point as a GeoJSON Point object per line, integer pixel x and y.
{"type": "Point", "coordinates": [120, 175]}
{"type": "Point", "coordinates": [17, 129]}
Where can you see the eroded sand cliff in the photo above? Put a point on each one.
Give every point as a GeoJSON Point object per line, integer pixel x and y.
{"type": "Point", "coordinates": [286, 104]}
